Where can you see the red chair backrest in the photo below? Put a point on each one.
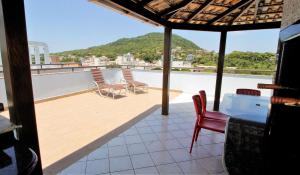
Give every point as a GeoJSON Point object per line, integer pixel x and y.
{"type": "Point", "coordinates": [252, 92]}
{"type": "Point", "coordinates": [97, 75]}
{"type": "Point", "coordinates": [127, 74]}
{"type": "Point", "coordinates": [198, 107]}
{"type": "Point", "coordinates": [203, 97]}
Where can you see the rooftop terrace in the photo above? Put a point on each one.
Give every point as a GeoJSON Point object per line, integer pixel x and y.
{"type": "Point", "coordinates": [156, 145]}
{"type": "Point", "coordinates": [75, 124]}
{"type": "Point", "coordinates": [70, 126]}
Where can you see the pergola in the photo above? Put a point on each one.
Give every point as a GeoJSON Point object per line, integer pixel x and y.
{"type": "Point", "coordinates": [203, 15]}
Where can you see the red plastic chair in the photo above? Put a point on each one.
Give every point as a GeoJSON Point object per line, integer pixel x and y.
{"type": "Point", "coordinates": [252, 92]}
{"type": "Point", "coordinates": [210, 114]}
{"type": "Point", "coordinates": [202, 122]}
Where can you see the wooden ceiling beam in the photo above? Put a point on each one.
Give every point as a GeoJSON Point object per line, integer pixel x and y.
{"type": "Point", "coordinates": [229, 10]}
{"type": "Point", "coordinates": [256, 10]}
{"type": "Point", "coordinates": [212, 28]}
{"type": "Point", "coordinates": [199, 10]}
{"type": "Point", "coordinates": [263, 13]}
{"type": "Point", "coordinates": [175, 8]}
{"type": "Point", "coordinates": [144, 2]}
{"type": "Point", "coordinates": [137, 11]}
{"type": "Point", "coordinates": [272, 5]}
{"type": "Point", "coordinates": [133, 9]}
{"type": "Point", "coordinates": [242, 12]}
{"type": "Point", "coordinates": [257, 26]}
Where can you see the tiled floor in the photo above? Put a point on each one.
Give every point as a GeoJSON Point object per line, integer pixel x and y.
{"type": "Point", "coordinates": [82, 111]}
{"type": "Point", "coordinates": [157, 145]}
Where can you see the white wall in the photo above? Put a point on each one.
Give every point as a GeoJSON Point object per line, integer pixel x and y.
{"type": "Point", "coordinates": [57, 84]}
{"type": "Point", "coordinates": [192, 82]}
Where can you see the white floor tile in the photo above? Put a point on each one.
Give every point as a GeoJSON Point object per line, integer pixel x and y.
{"type": "Point", "coordinates": [162, 157]}
{"type": "Point", "coordinates": [141, 161]}
{"type": "Point", "coordinates": [117, 151]}
{"type": "Point", "coordinates": [76, 168]}
{"type": "Point", "coordinates": [146, 171]}
{"type": "Point", "coordinates": [120, 164]}
{"type": "Point", "coordinates": [192, 167]}
{"type": "Point", "coordinates": [138, 148]}
{"type": "Point", "coordinates": [100, 153]}
{"type": "Point", "coordinates": [169, 169]}
{"type": "Point", "coordinates": [97, 166]}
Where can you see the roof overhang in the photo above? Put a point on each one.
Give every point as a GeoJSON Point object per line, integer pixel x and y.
{"type": "Point", "coordinates": [205, 15]}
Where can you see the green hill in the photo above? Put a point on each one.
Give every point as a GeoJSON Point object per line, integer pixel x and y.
{"type": "Point", "coordinates": [149, 47]}
{"type": "Point", "coordinates": [144, 47]}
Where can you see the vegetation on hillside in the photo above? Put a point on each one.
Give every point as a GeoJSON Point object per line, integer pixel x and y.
{"type": "Point", "coordinates": [149, 48]}
{"type": "Point", "coordinates": [251, 60]}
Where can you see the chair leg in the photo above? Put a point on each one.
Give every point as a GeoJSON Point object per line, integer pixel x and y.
{"type": "Point", "coordinates": [108, 92]}
{"type": "Point", "coordinates": [113, 93]}
{"type": "Point", "coordinates": [99, 91]}
{"type": "Point", "coordinates": [197, 134]}
{"type": "Point", "coordinates": [194, 134]}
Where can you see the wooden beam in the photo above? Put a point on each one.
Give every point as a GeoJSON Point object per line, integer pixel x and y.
{"type": "Point", "coordinates": [169, 15]}
{"type": "Point", "coordinates": [175, 8]}
{"type": "Point", "coordinates": [199, 10]}
{"type": "Point", "coordinates": [133, 9]}
{"type": "Point", "coordinates": [256, 10]}
{"type": "Point", "coordinates": [166, 71]}
{"type": "Point", "coordinates": [220, 70]}
{"type": "Point", "coordinates": [264, 13]}
{"type": "Point", "coordinates": [228, 11]}
{"type": "Point", "coordinates": [257, 26]}
{"type": "Point", "coordinates": [17, 74]}
{"type": "Point", "coordinates": [242, 12]}
{"type": "Point", "coordinates": [144, 2]}
{"type": "Point", "coordinates": [214, 28]}
{"type": "Point", "coordinates": [138, 11]}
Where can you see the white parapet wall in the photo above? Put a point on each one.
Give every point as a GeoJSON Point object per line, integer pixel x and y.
{"type": "Point", "coordinates": [193, 82]}
{"type": "Point", "coordinates": [59, 84]}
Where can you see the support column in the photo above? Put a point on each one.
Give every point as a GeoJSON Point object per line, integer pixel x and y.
{"type": "Point", "coordinates": [220, 70]}
{"type": "Point", "coordinates": [166, 71]}
{"type": "Point", "coordinates": [17, 75]}
{"type": "Point", "coordinates": [37, 57]}
{"type": "Point", "coordinates": [46, 55]}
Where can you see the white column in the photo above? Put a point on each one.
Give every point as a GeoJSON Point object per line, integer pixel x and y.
{"type": "Point", "coordinates": [37, 55]}
{"type": "Point", "coordinates": [46, 55]}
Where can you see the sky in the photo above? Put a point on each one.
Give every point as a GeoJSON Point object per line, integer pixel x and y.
{"type": "Point", "coordinates": [77, 24]}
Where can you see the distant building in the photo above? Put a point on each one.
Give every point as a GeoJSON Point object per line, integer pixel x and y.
{"type": "Point", "coordinates": [190, 57]}
{"type": "Point", "coordinates": [38, 57]}
{"type": "Point", "coordinates": [126, 59]}
{"type": "Point", "coordinates": [94, 61]}
{"type": "Point", "coordinates": [54, 59]}
{"type": "Point", "coordinates": [35, 56]}
{"type": "Point", "coordinates": [179, 64]}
